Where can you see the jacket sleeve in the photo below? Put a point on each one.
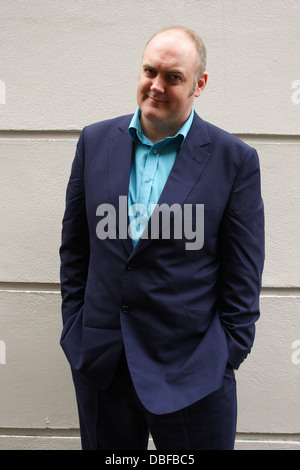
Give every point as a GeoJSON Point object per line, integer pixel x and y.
{"type": "Point", "coordinates": [242, 259]}
{"type": "Point", "coordinates": [74, 250]}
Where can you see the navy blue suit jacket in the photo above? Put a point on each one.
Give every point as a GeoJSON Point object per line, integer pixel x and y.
{"type": "Point", "coordinates": [181, 314]}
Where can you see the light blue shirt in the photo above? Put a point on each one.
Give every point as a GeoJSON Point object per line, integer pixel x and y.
{"type": "Point", "coordinates": [150, 169]}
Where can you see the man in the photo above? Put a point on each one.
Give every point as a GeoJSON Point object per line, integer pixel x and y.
{"type": "Point", "coordinates": [161, 261]}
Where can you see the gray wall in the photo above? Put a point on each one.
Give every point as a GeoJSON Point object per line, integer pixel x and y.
{"type": "Point", "coordinates": [67, 64]}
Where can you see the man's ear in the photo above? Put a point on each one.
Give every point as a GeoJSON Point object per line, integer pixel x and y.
{"type": "Point", "coordinates": [201, 84]}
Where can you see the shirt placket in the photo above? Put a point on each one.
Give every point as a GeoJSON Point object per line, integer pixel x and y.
{"type": "Point", "coordinates": [147, 185]}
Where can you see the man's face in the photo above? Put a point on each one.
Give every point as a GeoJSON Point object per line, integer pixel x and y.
{"type": "Point", "coordinates": [166, 87]}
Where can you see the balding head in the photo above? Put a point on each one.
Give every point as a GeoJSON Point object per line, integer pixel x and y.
{"type": "Point", "coordinates": [196, 40]}
{"type": "Point", "coordinates": [169, 82]}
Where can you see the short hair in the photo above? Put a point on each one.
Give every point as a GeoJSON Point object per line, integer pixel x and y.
{"type": "Point", "coordinates": [199, 44]}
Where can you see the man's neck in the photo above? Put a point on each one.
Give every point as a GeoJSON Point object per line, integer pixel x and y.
{"type": "Point", "coordinates": [157, 132]}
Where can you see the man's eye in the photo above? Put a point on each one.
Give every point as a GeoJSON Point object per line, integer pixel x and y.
{"type": "Point", "coordinates": [150, 71]}
{"type": "Point", "coordinates": [175, 78]}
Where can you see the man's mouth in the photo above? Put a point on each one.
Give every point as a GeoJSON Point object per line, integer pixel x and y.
{"type": "Point", "coordinates": [156, 100]}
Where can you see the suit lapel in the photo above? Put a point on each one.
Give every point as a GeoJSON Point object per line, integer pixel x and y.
{"type": "Point", "coordinates": [120, 156]}
{"type": "Point", "coordinates": [187, 169]}
{"type": "Point", "coordinates": [188, 166]}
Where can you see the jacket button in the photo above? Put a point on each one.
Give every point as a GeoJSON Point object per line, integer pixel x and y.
{"type": "Point", "coordinates": [125, 309]}
{"type": "Point", "coordinates": [130, 266]}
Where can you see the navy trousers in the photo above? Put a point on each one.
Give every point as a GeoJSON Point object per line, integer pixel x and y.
{"type": "Point", "coordinates": [115, 419]}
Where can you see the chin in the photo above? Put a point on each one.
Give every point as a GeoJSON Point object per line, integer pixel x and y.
{"type": "Point", "coordinates": [151, 112]}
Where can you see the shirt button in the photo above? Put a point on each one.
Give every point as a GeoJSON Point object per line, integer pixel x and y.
{"type": "Point", "coordinates": [125, 309]}
{"type": "Point", "coordinates": [148, 180]}
{"type": "Point", "coordinates": [155, 151]}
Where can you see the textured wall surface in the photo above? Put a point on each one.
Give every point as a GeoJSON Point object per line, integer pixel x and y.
{"type": "Point", "coordinates": [67, 64]}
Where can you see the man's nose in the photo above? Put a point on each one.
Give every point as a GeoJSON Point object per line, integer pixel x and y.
{"type": "Point", "coordinates": [157, 85]}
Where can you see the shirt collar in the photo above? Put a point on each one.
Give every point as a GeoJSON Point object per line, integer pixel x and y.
{"type": "Point", "coordinates": [136, 132]}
